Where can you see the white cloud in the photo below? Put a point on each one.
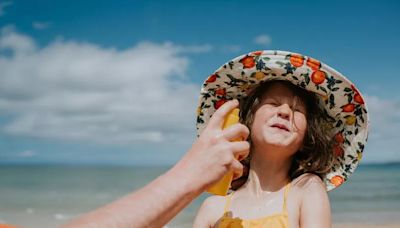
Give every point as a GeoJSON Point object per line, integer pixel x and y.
{"type": "Point", "coordinates": [79, 91]}
{"type": "Point", "coordinates": [3, 5]}
{"type": "Point", "coordinates": [27, 154]}
{"type": "Point", "coordinates": [384, 128]}
{"type": "Point", "coordinates": [263, 39]}
{"type": "Point", "coordinates": [41, 25]}
{"type": "Point", "coordinates": [17, 43]}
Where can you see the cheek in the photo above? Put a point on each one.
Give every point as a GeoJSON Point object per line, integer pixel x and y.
{"type": "Point", "coordinates": [261, 116]}
{"type": "Point", "coordinates": [300, 123]}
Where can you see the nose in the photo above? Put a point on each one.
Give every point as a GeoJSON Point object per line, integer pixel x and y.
{"type": "Point", "coordinates": [284, 111]}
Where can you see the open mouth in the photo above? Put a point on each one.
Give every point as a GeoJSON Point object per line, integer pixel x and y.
{"type": "Point", "coordinates": [280, 126]}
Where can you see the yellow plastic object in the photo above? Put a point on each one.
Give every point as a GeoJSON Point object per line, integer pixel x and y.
{"type": "Point", "coordinates": [222, 186]}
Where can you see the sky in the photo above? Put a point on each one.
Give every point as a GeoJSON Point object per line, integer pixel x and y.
{"type": "Point", "coordinates": [117, 82]}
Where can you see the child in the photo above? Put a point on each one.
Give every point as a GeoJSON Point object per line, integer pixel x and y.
{"type": "Point", "coordinates": [308, 127]}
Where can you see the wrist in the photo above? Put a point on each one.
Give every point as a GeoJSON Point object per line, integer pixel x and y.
{"type": "Point", "coordinates": [186, 180]}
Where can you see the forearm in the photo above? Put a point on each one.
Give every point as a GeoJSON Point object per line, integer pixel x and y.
{"type": "Point", "coordinates": [152, 206]}
{"type": "Point", "coordinates": [210, 157]}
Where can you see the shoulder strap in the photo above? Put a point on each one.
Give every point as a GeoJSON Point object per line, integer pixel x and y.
{"type": "Point", "coordinates": [228, 202]}
{"type": "Point", "coordinates": [287, 187]}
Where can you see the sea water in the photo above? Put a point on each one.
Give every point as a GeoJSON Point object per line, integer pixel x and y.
{"type": "Point", "coordinates": [49, 195]}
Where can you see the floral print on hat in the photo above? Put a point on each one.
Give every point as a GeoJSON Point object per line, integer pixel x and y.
{"type": "Point", "coordinates": [338, 97]}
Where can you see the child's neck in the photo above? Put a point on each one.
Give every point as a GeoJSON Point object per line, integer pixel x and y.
{"type": "Point", "coordinates": [266, 176]}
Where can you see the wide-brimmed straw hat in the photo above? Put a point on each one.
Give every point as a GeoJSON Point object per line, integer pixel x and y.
{"type": "Point", "coordinates": [337, 95]}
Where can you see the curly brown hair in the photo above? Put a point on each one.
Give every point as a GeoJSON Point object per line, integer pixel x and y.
{"type": "Point", "coordinates": [315, 156]}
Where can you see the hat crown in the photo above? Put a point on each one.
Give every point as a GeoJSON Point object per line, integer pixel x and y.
{"type": "Point", "coordinates": [337, 95]}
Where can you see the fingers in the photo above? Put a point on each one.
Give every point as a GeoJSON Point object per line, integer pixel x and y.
{"type": "Point", "coordinates": [240, 149]}
{"type": "Point", "coordinates": [238, 181]}
{"type": "Point", "coordinates": [245, 174]}
{"type": "Point", "coordinates": [237, 169]}
{"type": "Point", "coordinates": [236, 132]}
{"type": "Point", "coordinates": [218, 117]}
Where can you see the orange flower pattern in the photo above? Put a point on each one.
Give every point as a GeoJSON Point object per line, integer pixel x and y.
{"type": "Point", "coordinates": [313, 64]}
{"type": "Point", "coordinates": [338, 97]}
{"type": "Point", "coordinates": [248, 62]}
{"type": "Point", "coordinates": [337, 180]}
{"type": "Point", "coordinates": [212, 78]}
{"type": "Point", "coordinates": [296, 60]}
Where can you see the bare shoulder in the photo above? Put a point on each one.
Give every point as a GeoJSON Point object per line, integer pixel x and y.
{"type": "Point", "coordinates": [210, 211]}
{"type": "Point", "coordinates": [308, 182]}
{"type": "Point", "coordinates": [309, 187]}
{"type": "Point", "coordinates": [314, 201]}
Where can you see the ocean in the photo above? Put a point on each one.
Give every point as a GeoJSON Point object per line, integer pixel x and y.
{"type": "Point", "coordinates": [48, 195]}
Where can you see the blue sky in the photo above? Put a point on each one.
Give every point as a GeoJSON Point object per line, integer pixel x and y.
{"type": "Point", "coordinates": [116, 82]}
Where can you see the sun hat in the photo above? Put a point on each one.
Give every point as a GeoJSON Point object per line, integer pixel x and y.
{"type": "Point", "coordinates": [336, 94]}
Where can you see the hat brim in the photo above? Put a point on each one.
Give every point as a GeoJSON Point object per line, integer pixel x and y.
{"type": "Point", "coordinates": [338, 96]}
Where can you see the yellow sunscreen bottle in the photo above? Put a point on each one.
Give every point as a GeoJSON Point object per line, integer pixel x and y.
{"type": "Point", "coordinates": [222, 186]}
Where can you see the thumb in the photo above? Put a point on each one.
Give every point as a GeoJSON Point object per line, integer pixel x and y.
{"type": "Point", "coordinates": [218, 118]}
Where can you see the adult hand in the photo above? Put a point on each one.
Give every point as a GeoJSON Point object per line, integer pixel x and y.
{"type": "Point", "coordinates": [213, 153]}
{"type": "Point", "coordinates": [211, 156]}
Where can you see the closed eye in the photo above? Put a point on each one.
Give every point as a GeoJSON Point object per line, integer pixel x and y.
{"type": "Point", "coordinates": [272, 102]}
{"type": "Point", "coordinates": [300, 110]}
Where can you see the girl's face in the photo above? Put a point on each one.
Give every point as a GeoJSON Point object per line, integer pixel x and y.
{"type": "Point", "coordinates": [280, 120]}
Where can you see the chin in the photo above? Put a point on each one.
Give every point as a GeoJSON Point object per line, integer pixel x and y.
{"type": "Point", "coordinates": [277, 140]}
{"type": "Point", "coordinates": [277, 144]}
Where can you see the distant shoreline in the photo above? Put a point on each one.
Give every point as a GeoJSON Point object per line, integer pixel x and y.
{"type": "Point", "coordinates": [58, 164]}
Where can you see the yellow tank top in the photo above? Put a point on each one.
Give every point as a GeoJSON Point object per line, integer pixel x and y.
{"type": "Point", "coordinates": [278, 220]}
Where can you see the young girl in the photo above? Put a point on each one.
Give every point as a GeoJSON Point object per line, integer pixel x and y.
{"type": "Point", "coordinates": [308, 127]}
